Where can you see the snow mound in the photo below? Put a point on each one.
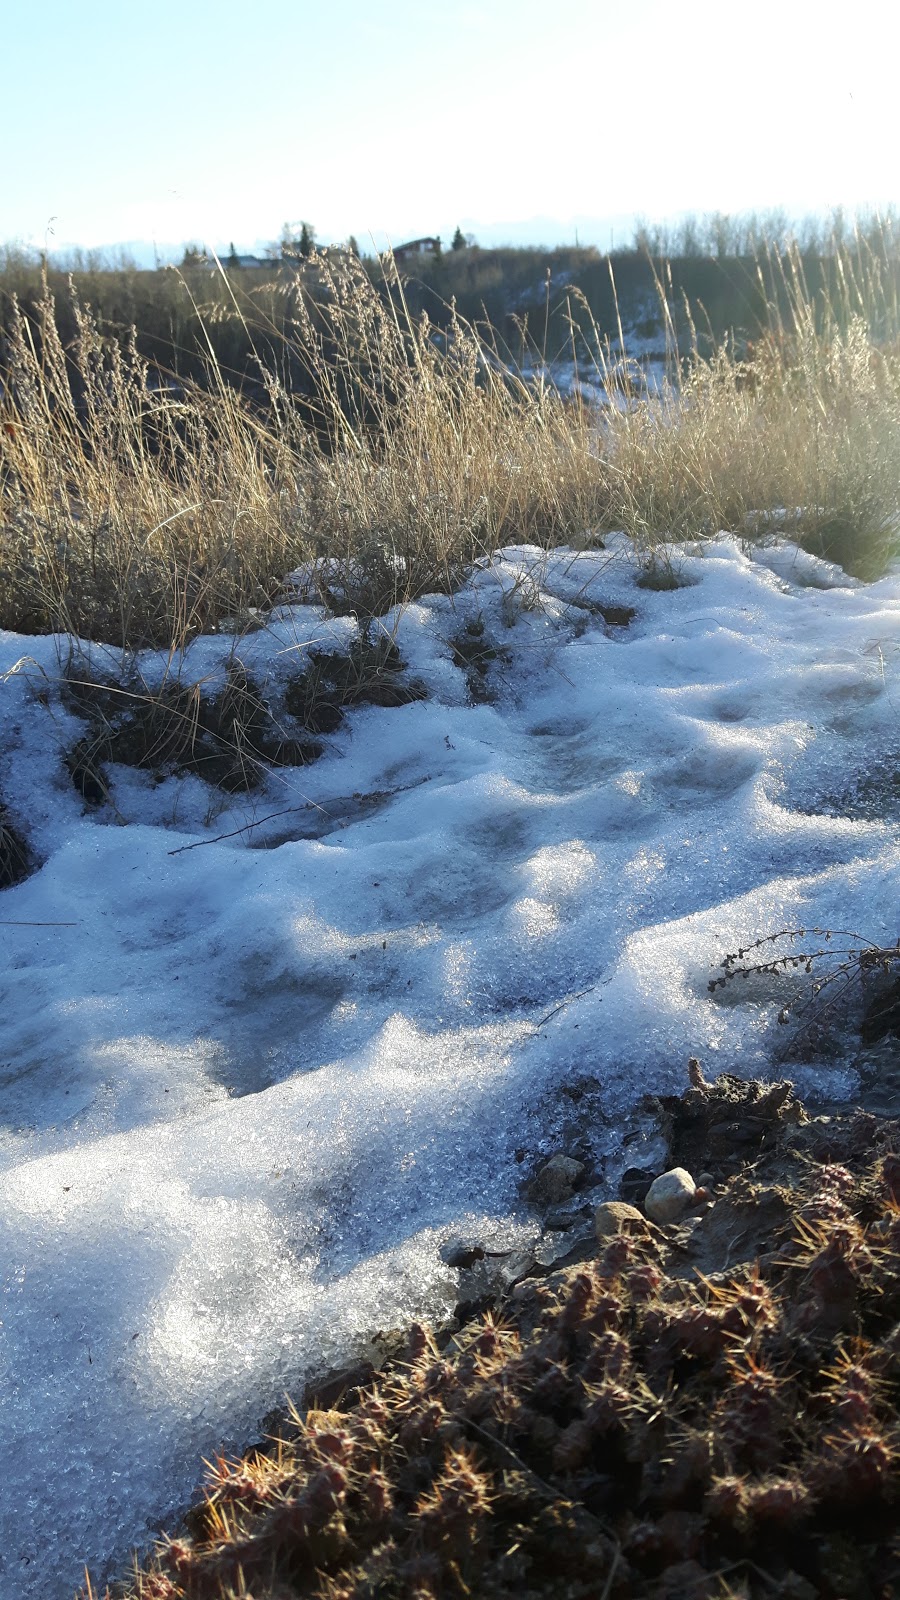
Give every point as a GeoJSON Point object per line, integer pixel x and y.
{"type": "Point", "coordinates": [260, 1055]}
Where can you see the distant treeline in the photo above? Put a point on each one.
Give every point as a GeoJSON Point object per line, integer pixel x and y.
{"type": "Point", "coordinates": [719, 277]}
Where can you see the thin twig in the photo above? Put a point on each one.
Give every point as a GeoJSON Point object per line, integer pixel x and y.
{"type": "Point", "coordinates": [563, 1003]}
{"type": "Point", "coordinates": [246, 827]}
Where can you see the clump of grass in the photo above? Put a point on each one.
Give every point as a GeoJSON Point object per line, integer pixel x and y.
{"type": "Point", "coordinates": [370, 673]}
{"type": "Point", "coordinates": [138, 515]}
{"type": "Point", "coordinates": [16, 860]}
{"type": "Point", "coordinates": [227, 736]}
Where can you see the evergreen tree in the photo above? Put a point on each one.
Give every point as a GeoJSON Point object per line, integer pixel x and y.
{"type": "Point", "coordinates": [232, 256]}
{"type": "Point", "coordinates": [307, 240]}
{"type": "Point", "coordinates": [352, 246]}
{"type": "Point", "coordinates": [459, 240]}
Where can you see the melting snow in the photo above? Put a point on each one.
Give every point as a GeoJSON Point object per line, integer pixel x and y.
{"type": "Point", "coordinates": [248, 1088]}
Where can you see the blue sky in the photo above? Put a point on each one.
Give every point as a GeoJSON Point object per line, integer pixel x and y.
{"type": "Point", "coordinates": [180, 121]}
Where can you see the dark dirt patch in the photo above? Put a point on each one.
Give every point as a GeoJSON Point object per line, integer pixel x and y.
{"type": "Point", "coordinates": [617, 616]}
{"type": "Point", "coordinates": [228, 739]}
{"type": "Point", "coordinates": [721, 1127]}
{"type": "Point", "coordinates": [17, 861]}
{"type": "Point", "coordinates": [661, 577]}
{"type": "Point", "coordinates": [613, 616]}
{"type": "Point", "coordinates": [881, 1019]}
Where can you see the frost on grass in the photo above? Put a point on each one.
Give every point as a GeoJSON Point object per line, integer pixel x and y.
{"type": "Point", "coordinates": [264, 1051]}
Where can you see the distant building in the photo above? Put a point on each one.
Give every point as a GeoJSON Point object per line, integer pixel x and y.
{"type": "Point", "coordinates": [414, 249]}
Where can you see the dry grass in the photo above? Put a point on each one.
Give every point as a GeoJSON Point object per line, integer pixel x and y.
{"type": "Point", "coordinates": [136, 515]}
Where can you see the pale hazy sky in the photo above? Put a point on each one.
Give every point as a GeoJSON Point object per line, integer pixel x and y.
{"type": "Point", "coordinates": [176, 120]}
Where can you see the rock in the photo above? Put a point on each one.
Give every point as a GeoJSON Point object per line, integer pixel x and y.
{"type": "Point", "coordinates": [670, 1195]}
{"type": "Point", "coordinates": [556, 1180]}
{"type": "Point", "coordinates": [481, 1284]}
{"type": "Point", "coordinates": [577, 1243]}
{"type": "Point", "coordinates": [516, 1267]}
{"type": "Point", "coordinates": [560, 1218]}
{"type": "Point", "coordinates": [616, 1216]}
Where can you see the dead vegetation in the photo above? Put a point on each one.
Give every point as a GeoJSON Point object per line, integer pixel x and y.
{"type": "Point", "coordinates": [230, 733]}
{"type": "Point", "coordinates": [143, 514]}
{"type": "Point", "coordinates": [16, 859]}
{"type": "Point", "coordinates": [850, 973]}
{"type": "Point", "coordinates": [671, 1418]}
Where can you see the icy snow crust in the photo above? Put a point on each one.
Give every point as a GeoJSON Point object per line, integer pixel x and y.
{"type": "Point", "coordinates": [253, 1085]}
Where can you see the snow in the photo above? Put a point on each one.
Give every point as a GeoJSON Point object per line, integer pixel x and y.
{"type": "Point", "coordinates": [251, 1084]}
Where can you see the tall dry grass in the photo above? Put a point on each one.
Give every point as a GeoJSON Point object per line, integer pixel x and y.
{"type": "Point", "coordinates": [799, 433]}
{"type": "Point", "coordinates": [137, 514]}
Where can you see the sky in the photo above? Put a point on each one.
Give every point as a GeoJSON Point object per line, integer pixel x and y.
{"type": "Point", "coordinates": [179, 121]}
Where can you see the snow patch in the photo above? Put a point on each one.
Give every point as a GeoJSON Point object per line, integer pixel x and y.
{"type": "Point", "coordinates": [260, 1055]}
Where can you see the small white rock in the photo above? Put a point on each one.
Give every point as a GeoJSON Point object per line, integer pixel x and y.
{"type": "Point", "coordinates": [670, 1195]}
